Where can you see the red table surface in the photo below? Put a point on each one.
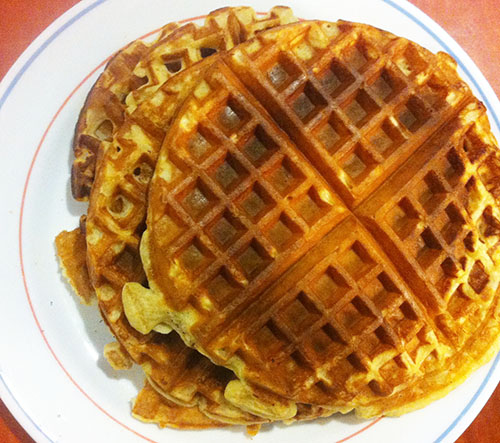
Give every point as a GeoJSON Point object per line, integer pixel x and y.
{"type": "Point", "coordinates": [473, 24]}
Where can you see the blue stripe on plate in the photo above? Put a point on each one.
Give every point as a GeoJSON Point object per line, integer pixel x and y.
{"type": "Point", "coordinates": [21, 408]}
{"type": "Point", "coordinates": [450, 51]}
{"type": "Point", "coordinates": [472, 401]}
{"type": "Point", "coordinates": [46, 43]}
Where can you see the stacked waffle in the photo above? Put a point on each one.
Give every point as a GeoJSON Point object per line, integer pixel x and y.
{"type": "Point", "coordinates": [315, 208]}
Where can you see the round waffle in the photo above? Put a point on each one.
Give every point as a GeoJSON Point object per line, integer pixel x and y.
{"type": "Point", "coordinates": [323, 221]}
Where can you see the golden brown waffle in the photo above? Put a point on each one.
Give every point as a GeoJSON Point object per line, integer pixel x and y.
{"type": "Point", "coordinates": [151, 407]}
{"type": "Point", "coordinates": [223, 29]}
{"type": "Point", "coordinates": [103, 111]}
{"type": "Point", "coordinates": [114, 225]}
{"type": "Point", "coordinates": [72, 253]}
{"type": "Point", "coordinates": [138, 70]}
{"type": "Point", "coordinates": [289, 252]}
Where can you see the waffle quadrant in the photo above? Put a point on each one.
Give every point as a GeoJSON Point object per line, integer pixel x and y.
{"type": "Point", "coordinates": [323, 221]}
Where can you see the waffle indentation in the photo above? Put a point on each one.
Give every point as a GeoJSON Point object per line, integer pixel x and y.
{"type": "Point", "coordinates": [431, 192]}
{"type": "Point", "coordinates": [478, 278]}
{"type": "Point", "coordinates": [434, 93]}
{"type": "Point", "coordinates": [429, 248]}
{"type": "Point", "coordinates": [283, 73]}
{"type": "Point", "coordinates": [454, 225]}
{"type": "Point", "coordinates": [256, 202]}
{"type": "Point", "coordinates": [411, 63]}
{"type": "Point", "coordinates": [300, 314]}
{"type": "Point", "coordinates": [356, 260]}
{"type": "Point", "coordinates": [355, 316]}
{"type": "Point", "coordinates": [333, 134]}
{"type": "Point", "coordinates": [225, 230]}
{"type": "Point", "coordinates": [223, 288]}
{"type": "Point", "coordinates": [403, 218]}
{"type": "Point", "coordinates": [197, 199]}
{"type": "Point", "coordinates": [286, 176]}
{"type": "Point", "coordinates": [459, 303]}
{"type": "Point", "coordinates": [331, 287]}
{"type": "Point", "coordinates": [386, 138]}
{"type": "Point", "coordinates": [474, 147]}
{"type": "Point", "coordinates": [269, 339]}
{"type": "Point", "coordinates": [254, 259]}
{"type": "Point", "coordinates": [284, 233]}
{"type": "Point", "coordinates": [199, 146]}
{"type": "Point", "coordinates": [207, 52]}
{"type": "Point", "coordinates": [143, 171]}
{"type": "Point", "coordinates": [414, 114]}
{"type": "Point", "coordinates": [387, 85]}
{"type": "Point", "coordinates": [356, 362]}
{"type": "Point", "coordinates": [129, 261]}
{"type": "Point", "coordinates": [173, 62]}
{"type": "Point", "coordinates": [336, 79]}
{"type": "Point", "coordinates": [195, 256]}
{"type": "Point", "coordinates": [361, 108]}
{"type": "Point", "coordinates": [360, 55]}
{"type": "Point", "coordinates": [310, 207]}
{"type": "Point", "coordinates": [104, 131]}
{"type": "Point", "coordinates": [233, 116]}
{"type": "Point", "coordinates": [325, 343]}
{"type": "Point", "coordinates": [455, 167]}
{"type": "Point", "coordinates": [229, 172]}
{"type": "Point", "coordinates": [308, 103]}
{"type": "Point", "coordinates": [489, 225]}
{"type": "Point", "coordinates": [384, 293]}
{"type": "Point", "coordinates": [259, 147]}
{"type": "Point", "coordinates": [169, 227]}
{"type": "Point", "coordinates": [121, 206]}
{"type": "Point", "coordinates": [359, 163]}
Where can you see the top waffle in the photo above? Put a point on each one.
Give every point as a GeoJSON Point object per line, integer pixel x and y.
{"type": "Point", "coordinates": [139, 69]}
{"type": "Point", "coordinates": [323, 221]}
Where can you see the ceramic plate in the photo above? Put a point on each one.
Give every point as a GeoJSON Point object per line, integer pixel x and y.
{"type": "Point", "coordinates": [53, 376]}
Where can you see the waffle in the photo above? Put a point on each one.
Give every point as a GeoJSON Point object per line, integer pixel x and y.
{"type": "Point", "coordinates": [223, 29]}
{"type": "Point", "coordinates": [323, 221]}
{"type": "Point", "coordinates": [151, 407]}
{"type": "Point", "coordinates": [139, 69]}
{"type": "Point", "coordinates": [114, 224]}
{"type": "Point", "coordinates": [72, 253]}
{"type": "Point", "coordinates": [103, 111]}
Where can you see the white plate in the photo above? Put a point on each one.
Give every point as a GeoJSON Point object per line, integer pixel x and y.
{"type": "Point", "coordinates": [52, 375]}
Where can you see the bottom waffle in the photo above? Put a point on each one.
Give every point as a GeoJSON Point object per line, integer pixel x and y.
{"type": "Point", "coordinates": [71, 249]}
{"type": "Point", "coordinates": [154, 405]}
{"type": "Point", "coordinates": [151, 407]}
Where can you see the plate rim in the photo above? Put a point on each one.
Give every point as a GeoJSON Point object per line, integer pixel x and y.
{"type": "Point", "coordinates": [73, 14]}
